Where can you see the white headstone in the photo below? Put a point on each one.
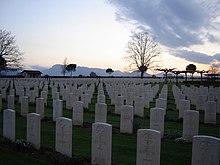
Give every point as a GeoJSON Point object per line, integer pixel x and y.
{"type": "Point", "coordinates": [56, 95]}
{"type": "Point", "coordinates": [161, 103]}
{"type": "Point", "coordinates": [57, 109]}
{"type": "Point", "coordinates": [34, 129]}
{"type": "Point", "coordinates": [44, 95]}
{"type": "Point", "coordinates": [100, 92]}
{"type": "Point", "coordinates": [130, 98]}
{"type": "Point", "coordinates": [24, 106]}
{"type": "Point", "coordinates": [101, 99]}
{"type": "Point", "coordinates": [118, 104]}
{"type": "Point", "coordinates": [157, 119]}
{"type": "Point", "coordinates": [101, 143]}
{"type": "Point", "coordinates": [32, 96]}
{"type": "Point", "coordinates": [36, 90]}
{"type": "Point", "coordinates": [64, 136]}
{"type": "Point", "coordinates": [78, 113]}
{"type": "Point", "coordinates": [148, 147]}
{"type": "Point", "coordinates": [69, 101]}
{"type": "Point", "coordinates": [12, 91]}
{"type": "Point", "coordinates": [40, 107]}
{"type": "Point", "coordinates": [210, 112]}
{"type": "Point", "coordinates": [126, 120]}
{"type": "Point", "coordinates": [9, 124]}
{"type": "Point", "coordinates": [183, 105]}
{"type": "Point", "coordinates": [205, 150]}
{"type": "Point", "coordinates": [211, 96]}
{"type": "Point", "coordinates": [100, 112]}
{"type": "Point", "coordinates": [139, 106]}
{"type": "Point", "coordinates": [200, 102]}
{"type": "Point", "coordinates": [85, 100]}
{"type": "Point", "coordinates": [21, 94]}
{"type": "Point", "coordinates": [4, 91]}
{"type": "Point", "coordinates": [147, 98]}
{"type": "Point", "coordinates": [190, 124]}
{"type": "Point", "coordinates": [11, 102]}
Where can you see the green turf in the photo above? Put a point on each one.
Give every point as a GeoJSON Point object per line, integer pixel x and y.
{"type": "Point", "coordinates": [123, 145]}
{"type": "Point", "coordinates": [11, 157]}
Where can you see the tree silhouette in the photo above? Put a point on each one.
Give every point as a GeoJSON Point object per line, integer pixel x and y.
{"type": "Point", "coordinates": [176, 72]}
{"type": "Point", "coordinates": [142, 51]}
{"type": "Point", "coordinates": [109, 71]}
{"type": "Point", "coordinates": [3, 63]}
{"type": "Point", "coordinates": [191, 68]}
{"type": "Point", "coordinates": [213, 69]}
{"type": "Point", "coordinates": [166, 71]}
{"type": "Point", "coordinates": [93, 74]}
{"type": "Point", "coordinates": [201, 72]}
{"type": "Point", "coordinates": [63, 67]}
{"type": "Point", "coordinates": [10, 55]}
{"type": "Point", "coordinates": [71, 68]}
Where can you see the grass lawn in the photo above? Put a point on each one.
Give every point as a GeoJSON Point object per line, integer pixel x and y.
{"type": "Point", "coordinates": [123, 145]}
{"type": "Point", "coordinates": [11, 157]}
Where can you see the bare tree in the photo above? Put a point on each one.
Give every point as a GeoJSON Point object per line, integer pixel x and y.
{"type": "Point", "coordinates": [213, 69]}
{"type": "Point", "coordinates": [142, 51]}
{"type": "Point", "coordinates": [63, 67]}
{"type": "Point", "coordinates": [10, 55]}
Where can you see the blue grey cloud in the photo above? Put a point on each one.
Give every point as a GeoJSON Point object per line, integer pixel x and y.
{"type": "Point", "coordinates": [174, 23]}
{"type": "Point", "coordinates": [196, 56]}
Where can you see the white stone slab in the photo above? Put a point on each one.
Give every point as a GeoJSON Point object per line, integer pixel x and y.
{"type": "Point", "coordinates": [101, 143]}
{"type": "Point", "coordinates": [64, 136]}
{"type": "Point", "coordinates": [9, 124]}
{"type": "Point", "coordinates": [148, 147]}
{"type": "Point", "coordinates": [78, 113]}
{"type": "Point", "coordinates": [24, 106]}
{"type": "Point", "coordinates": [205, 150]}
{"type": "Point", "coordinates": [157, 119]}
{"type": "Point", "coordinates": [34, 129]}
{"type": "Point", "coordinates": [101, 112]}
{"type": "Point", "coordinates": [126, 120]}
{"type": "Point", "coordinates": [190, 124]}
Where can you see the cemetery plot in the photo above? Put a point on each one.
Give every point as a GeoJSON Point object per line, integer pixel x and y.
{"type": "Point", "coordinates": [106, 103]}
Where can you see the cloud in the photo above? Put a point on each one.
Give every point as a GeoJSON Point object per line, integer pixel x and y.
{"type": "Point", "coordinates": [196, 56]}
{"type": "Point", "coordinates": [35, 67]}
{"type": "Point", "coordinates": [174, 22]}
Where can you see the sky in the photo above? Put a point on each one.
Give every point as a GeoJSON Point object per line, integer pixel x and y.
{"type": "Point", "coordinates": [94, 33]}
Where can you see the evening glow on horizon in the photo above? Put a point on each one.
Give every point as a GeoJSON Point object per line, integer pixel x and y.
{"type": "Point", "coordinates": [94, 33]}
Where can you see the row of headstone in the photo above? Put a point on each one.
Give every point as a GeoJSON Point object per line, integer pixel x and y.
{"type": "Point", "coordinates": [101, 115]}
{"type": "Point", "coordinates": [209, 107]}
{"type": "Point", "coordinates": [121, 96]}
{"type": "Point", "coordinates": [161, 102]}
{"type": "Point", "coordinates": [126, 124]}
{"type": "Point", "coordinates": [199, 96]}
{"type": "Point", "coordinates": [33, 132]}
{"type": "Point", "coordinates": [205, 149]}
{"type": "Point", "coordinates": [33, 87]}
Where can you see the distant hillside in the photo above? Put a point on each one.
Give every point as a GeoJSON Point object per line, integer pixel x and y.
{"type": "Point", "coordinates": [56, 70]}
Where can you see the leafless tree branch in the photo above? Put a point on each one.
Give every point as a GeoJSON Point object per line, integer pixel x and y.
{"type": "Point", "coordinates": [9, 51]}
{"type": "Point", "coordinates": [141, 51]}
